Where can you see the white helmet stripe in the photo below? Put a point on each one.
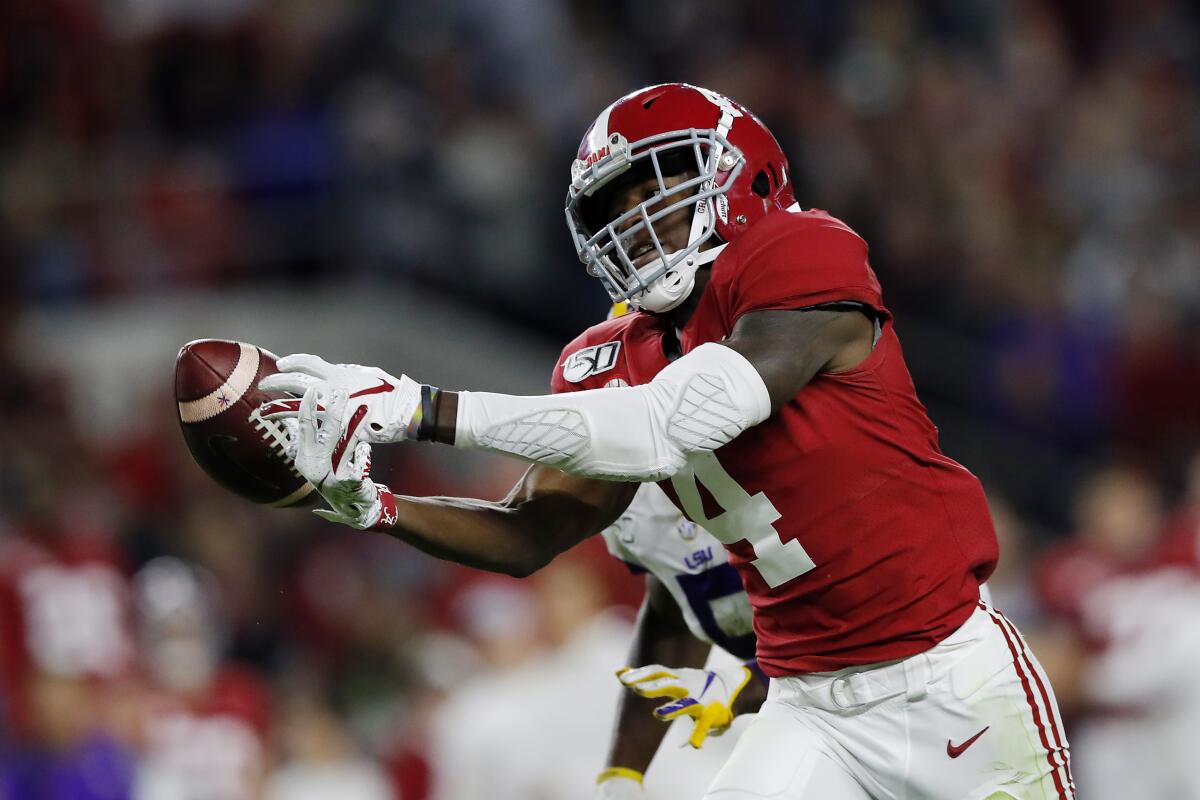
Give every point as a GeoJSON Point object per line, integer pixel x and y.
{"type": "Point", "coordinates": [598, 137]}
{"type": "Point", "coordinates": [722, 102]}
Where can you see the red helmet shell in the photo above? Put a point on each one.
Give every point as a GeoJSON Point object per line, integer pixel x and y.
{"type": "Point", "coordinates": [678, 107]}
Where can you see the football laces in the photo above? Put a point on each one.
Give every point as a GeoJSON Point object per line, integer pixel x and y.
{"type": "Point", "coordinates": [280, 437]}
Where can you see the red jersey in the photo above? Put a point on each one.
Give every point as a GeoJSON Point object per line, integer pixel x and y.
{"type": "Point", "coordinates": [886, 539]}
{"type": "Point", "coordinates": [208, 745]}
{"type": "Point", "coordinates": [65, 611]}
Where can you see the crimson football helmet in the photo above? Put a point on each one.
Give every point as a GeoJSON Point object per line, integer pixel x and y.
{"type": "Point", "coordinates": [661, 131]}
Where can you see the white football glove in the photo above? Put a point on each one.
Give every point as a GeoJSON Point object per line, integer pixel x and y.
{"type": "Point", "coordinates": [705, 695]}
{"type": "Point", "coordinates": [384, 408]}
{"type": "Point", "coordinates": [339, 466]}
{"type": "Point", "coordinates": [616, 783]}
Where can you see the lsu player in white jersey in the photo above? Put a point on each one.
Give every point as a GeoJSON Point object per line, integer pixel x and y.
{"type": "Point", "coordinates": [694, 600]}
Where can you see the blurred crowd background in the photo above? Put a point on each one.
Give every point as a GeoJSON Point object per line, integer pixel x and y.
{"type": "Point", "coordinates": [1028, 176]}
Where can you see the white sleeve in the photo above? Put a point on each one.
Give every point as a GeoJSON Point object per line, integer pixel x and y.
{"type": "Point", "coordinates": [639, 433]}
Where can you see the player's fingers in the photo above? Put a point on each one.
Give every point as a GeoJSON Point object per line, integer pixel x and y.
{"type": "Point", "coordinates": [285, 408]}
{"type": "Point", "coordinates": [303, 362]}
{"type": "Point", "coordinates": [316, 442]}
{"type": "Point", "coordinates": [358, 465]}
{"type": "Point", "coordinates": [700, 732]}
{"type": "Point", "coordinates": [683, 707]}
{"type": "Point", "coordinates": [630, 676]}
{"type": "Point", "coordinates": [335, 412]}
{"type": "Point", "coordinates": [306, 438]}
{"type": "Point", "coordinates": [344, 429]}
{"type": "Point", "coordinates": [661, 687]}
{"type": "Point", "coordinates": [279, 409]}
{"type": "Point", "coordinates": [296, 383]}
{"type": "Point", "coordinates": [291, 429]}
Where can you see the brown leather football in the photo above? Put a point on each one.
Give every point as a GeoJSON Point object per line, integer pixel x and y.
{"type": "Point", "coordinates": [216, 387]}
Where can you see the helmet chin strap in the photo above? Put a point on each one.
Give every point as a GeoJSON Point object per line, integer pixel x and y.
{"type": "Point", "coordinates": [673, 287]}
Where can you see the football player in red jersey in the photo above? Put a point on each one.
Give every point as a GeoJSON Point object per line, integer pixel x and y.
{"type": "Point", "coordinates": [764, 387]}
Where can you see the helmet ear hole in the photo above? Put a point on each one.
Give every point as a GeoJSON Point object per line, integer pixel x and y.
{"type": "Point", "coordinates": [762, 184]}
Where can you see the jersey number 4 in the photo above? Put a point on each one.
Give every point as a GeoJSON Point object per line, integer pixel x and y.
{"type": "Point", "coordinates": [745, 517]}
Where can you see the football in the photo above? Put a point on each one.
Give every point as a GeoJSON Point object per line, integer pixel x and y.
{"type": "Point", "coordinates": [216, 389]}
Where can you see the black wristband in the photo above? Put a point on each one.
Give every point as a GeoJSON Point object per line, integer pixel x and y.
{"type": "Point", "coordinates": [430, 395]}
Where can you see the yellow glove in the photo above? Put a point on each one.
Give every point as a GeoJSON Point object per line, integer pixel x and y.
{"type": "Point", "coordinates": [705, 695]}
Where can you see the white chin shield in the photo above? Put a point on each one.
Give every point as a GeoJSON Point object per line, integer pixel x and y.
{"type": "Point", "coordinates": [674, 285]}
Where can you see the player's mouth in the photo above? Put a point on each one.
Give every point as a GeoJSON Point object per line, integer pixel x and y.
{"type": "Point", "coordinates": [642, 254]}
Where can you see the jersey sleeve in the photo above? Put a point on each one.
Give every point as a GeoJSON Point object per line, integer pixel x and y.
{"type": "Point", "coordinates": [559, 384]}
{"type": "Point", "coordinates": [599, 356]}
{"type": "Point", "coordinates": [807, 263]}
{"type": "Point", "coordinates": [583, 354]}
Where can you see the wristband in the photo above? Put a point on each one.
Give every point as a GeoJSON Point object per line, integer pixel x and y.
{"type": "Point", "coordinates": [424, 421]}
{"type": "Point", "coordinates": [388, 515]}
{"type": "Point", "coordinates": [620, 772]}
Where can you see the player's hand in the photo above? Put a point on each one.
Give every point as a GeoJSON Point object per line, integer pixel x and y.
{"type": "Point", "coordinates": [705, 695]}
{"type": "Point", "coordinates": [339, 466]}
{"type": "Point", "coordinates": [619, 784]}
{"type": "Point", "coordinates": [384, 408]}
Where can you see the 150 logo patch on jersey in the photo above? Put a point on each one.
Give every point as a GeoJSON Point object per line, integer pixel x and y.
{"type": "Point", "coordinates": [591, 361]}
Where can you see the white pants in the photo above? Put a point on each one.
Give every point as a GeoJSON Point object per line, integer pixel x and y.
{"type": "Point", "coordinates": [974, 718]}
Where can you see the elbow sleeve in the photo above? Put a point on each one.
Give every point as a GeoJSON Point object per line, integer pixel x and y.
{"type": "Point", "coordinates": [639, 433]}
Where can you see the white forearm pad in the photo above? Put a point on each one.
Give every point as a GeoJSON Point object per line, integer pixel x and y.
{"type": "Point", "coordinates": [643, 433]}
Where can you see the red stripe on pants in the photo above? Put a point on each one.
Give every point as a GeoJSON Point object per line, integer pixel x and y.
{"type": "Point", "coordinates": [1054, 721]}
{"type": "Point", "coordinates": [1037, 714]}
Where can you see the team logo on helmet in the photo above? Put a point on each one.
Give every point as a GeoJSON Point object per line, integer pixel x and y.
{"type": "Point", "coordinates": [616, 144]}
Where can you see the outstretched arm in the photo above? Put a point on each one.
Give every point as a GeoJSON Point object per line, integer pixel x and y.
{"type": "Point", "coordinates": [546, 513]}
{"type": "Point", "coordinates": [634, 433]}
